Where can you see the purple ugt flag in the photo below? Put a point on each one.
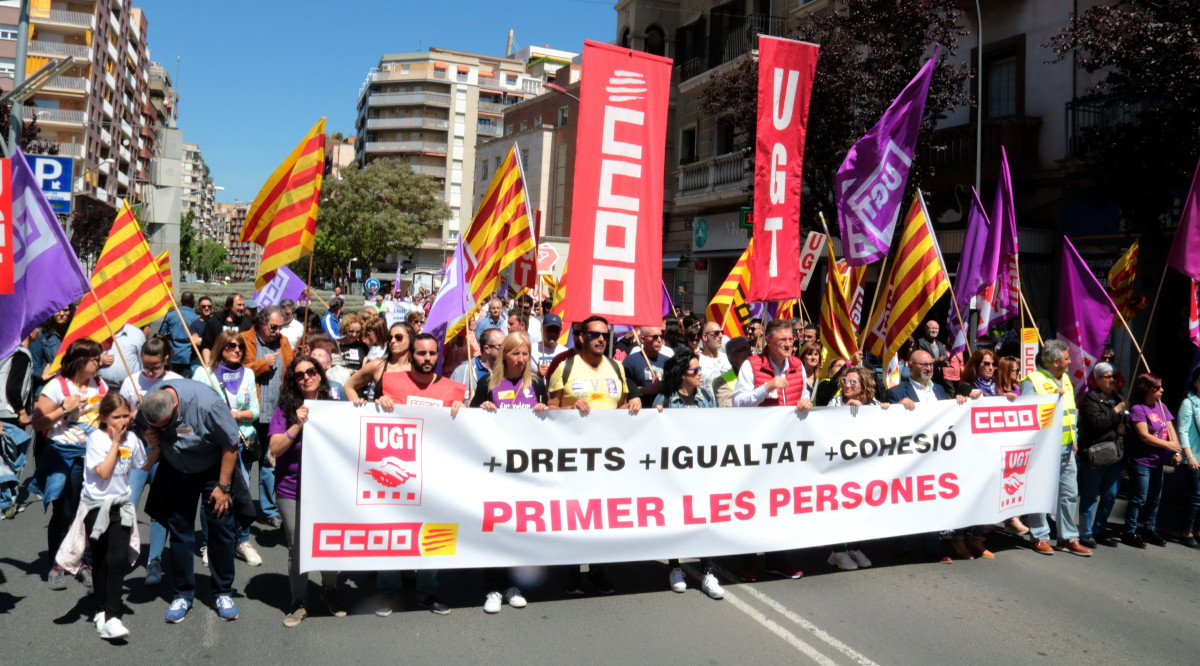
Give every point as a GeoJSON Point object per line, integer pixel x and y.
{"type": "Point", "coordinates": [1185, 249]}
{"type": "Point", "coordinates": [285, 284]}
{"type": "Point", "coordinates": [46, 273]}
{"type": "Point", "coordinates": [976, 269]}
{"type": "Point", "coordinates": [870, 181]}
{"type": "Point", "coordinates": [1085, 313]}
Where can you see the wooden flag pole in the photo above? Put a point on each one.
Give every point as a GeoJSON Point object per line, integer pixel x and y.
{"type": "Point", "coordinates": [1141, 356]}
{"type": "Point", "coordinates": [307, 302]}
{"type": "Point", "coordinates": [879, 289]}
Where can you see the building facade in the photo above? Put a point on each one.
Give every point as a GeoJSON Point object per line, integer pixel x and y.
{"type": "Point", "coordinates": [244, 256]}
{"type": "Point", "coordinates": [199, 195]}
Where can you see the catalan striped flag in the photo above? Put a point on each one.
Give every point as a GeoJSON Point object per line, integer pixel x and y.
{"type": "Point", "coordinates": [1120, 284]}
{"type": "Point", "coordinates": [837, 324]}
{"type": "Point", "coordinates": [126, 287]}
{"type": "Point", "coordinates": [164, 268]}
{"type": "Point", "coordinates": [559, 295]}
{"type": "Point", "coordinates": [917, 280]}
{"type": "Point", "coordinates": [732, 295]}
{"type": "Point", "coordinates": [502, 229]}
{"type": "Point", "coordinates": [283, 218]}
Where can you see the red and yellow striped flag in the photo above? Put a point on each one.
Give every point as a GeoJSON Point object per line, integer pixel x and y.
{"type": "Point", "coordinates": [917, 280]}
{"type": "Point", "coordinates": [559, 296]}
{"type": "Point", "coordinates": [164, 268]}
{"type": "Point", "coordinates": [724, 306]}
{"type": "Point", "coordinates": [502, 229]}
{"type": "Point", "coordinates": [838, 334]}
{"type": "Point", "coordinates": [126, 286]}
{"type": "Point", "coordinates": [1120, 284]}
{"type": "Point", "coordinates": [283, 218]}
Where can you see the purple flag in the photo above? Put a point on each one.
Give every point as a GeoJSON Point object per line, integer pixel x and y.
{"type": "Point", "coordinates": [668, 306]}
{"type": "Point", "coordinates": [1004, 297]}
{"type": "Point", "coordinates": [1085, 313]}
{"type": "Point", "coordinates": [1185, 249]}
{"type": "Point", "coordinates": [285, 284]}
{"type": "Point", "coordinates": [977, 269]}
{"type": "Point", "coordinates": [46, 273]}
{"type": "Point", "coordinates": [453, 300]}
{"type": "Point", "coordinates": [870, 182]}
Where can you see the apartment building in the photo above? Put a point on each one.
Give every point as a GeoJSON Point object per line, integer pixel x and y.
{"type": "Point", "coordinates": [339, 150]}
{"type": "Point", "coordinates": [429, 109]}
{"type": "Point", "coordinates": [230, 218]}
{"type": "Point", "coordinates": [199, 194]}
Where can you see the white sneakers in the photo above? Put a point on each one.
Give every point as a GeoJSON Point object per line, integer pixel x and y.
{"type": "Point", "coordinates": [494, 600]}
{"type": "Point", "coordinates": [246, 553]}
{"type": "Point", "coordinates": [841, 559]}
{"type": "Point", "coordinates": [711, 587]}
{"type": "Point", "coordinates": [112, 629]}
{"type": "Point", "coordinates": [860, 559]}
{"type": "Point", "coordinates": [678, 584]}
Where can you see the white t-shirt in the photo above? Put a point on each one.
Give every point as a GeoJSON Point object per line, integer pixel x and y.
{"type": "Point", "coordinates": [144, 384]}
{"type": "Point", "coordinates": [711, 368]}
{"type": "Point", "coordinates": [542, 358]}
{"type": "Point", "coordinates": [87, 413]}
{"type": "Point", "coordinates": [132, 456]}
{"type": "Point", "coordinates": [293, 331]}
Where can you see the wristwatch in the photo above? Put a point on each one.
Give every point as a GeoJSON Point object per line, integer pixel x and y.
{"type": "Point", "coordinates": [225, 488]}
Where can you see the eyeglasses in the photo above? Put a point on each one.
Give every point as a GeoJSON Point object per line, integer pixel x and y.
{"type": "Point", "coordinates": [235, 346]}
{"type": "Point", "coordinates": [849, 381]}
{"type": "Point", "coordinates": [596, 335]}
{"type": "Point", "coordinates": [416, 321]}
{"type": "Point", "coordinates": [1105, 377]}
{"type": "Point", "coordinates": [306, 374]}
{"type": "Point", "coordinates": [694, 371]}
{"type": "Point", "coordinates": [398, 337]}
{"type": "Point", "coordinates": [1107, 359]}
{"type": "Point", "coordinates": [652, 338]}
{"type": "Point", "coordinates": [491, 346]}
{"type": "Point", "coordinates": [274, 327]}
{"type": "Point", "coordinates": [988, 364]}
{"type": "Point", "coordinates": [711, 334]}
{"type": "Point", "coordinates": [789, 340]}
{"type": "Point", "coordinates": [206, 307]}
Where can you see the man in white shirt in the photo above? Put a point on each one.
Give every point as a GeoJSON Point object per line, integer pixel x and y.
{"type": "Point", "coordinates": [293, 328]}
{"type": "Point", "coordinates": [713, 362]}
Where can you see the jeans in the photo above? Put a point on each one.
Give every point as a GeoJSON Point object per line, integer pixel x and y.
{"type": "Point", "coordinates": [179, 494]}
{"type": "Point", "coordinates": [1144, 497]}
{"type": "Point", "coordinates": [1068, 502]}
{"type": "Point", "coordinates": [266, 475]}
{"type": "Point", "coordinates": [290, 510]}
{"type": "Point", "coordinates": [1193, 509]}
{"type": "Point", "coordinates": [390, 582]}
{"type": "Point", "coordinates": [1097, 494]}
{"type": "Point", "coordinates": [63, 510]}
{"type": "Point", "coordinates": [138, 480]}
{"type": "Point", "coordinates": [243, 525]}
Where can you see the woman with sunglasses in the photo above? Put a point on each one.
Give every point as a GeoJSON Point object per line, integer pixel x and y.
{"type": "Point", "coordinates": [511, 384]}
{"type": "Point", "coordinates": [1153, 445]}
{"type": "Point", "coordinates": [1008, 377]}
{"type": "Point", "coordinates": [857, 390]}
{"type": "Point", "coordinates": [68, 410]}
{"type": "Point", "coordinates": [235, 383]}
{"type": "Point", "coordinates": [375, 373]}
{"type": "Point", "coordinates": [303, 380]}
{"type": "Point", "coordinates": [682, 389]}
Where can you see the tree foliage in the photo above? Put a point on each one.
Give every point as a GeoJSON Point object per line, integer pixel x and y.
{"type": "Point", "coordinates": [187, 240]}
{"type": "Point", "coordinates": [372, 211]}
{"type": "Point", "coordinates": [91, 220]}
{"type": "Point", "coordinates": [870, 49]}
{"type": "Point", "coordinates": [210, 260]}
{"type": "Point", "coordinates": [30, 140]}
{"type": "Point", "coordinates": [1148, 54]}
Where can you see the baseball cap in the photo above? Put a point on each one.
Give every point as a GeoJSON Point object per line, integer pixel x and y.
{"type": "Point", "coordinates": [551, 320]}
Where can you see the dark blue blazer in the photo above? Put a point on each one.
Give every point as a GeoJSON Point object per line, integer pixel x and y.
{"type": "Point", "coordinates": [905, 390]}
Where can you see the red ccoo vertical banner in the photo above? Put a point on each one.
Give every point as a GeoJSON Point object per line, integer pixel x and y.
{"type": "Point", "coordinates": [616, 227]}
{"type": "Point", "coordinates": [6, 227]}
{"type": "Point", "coordinates": [785, 76]}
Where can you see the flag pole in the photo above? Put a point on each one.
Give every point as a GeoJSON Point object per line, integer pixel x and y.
{"type": "Point", "coordinates": [1141, 356]}
{"type": "Point", "coordinates": [874, 300]}
{"type": "Point", "coordinates": [307, 301]}
{"type": "Point", "coordinates": [1150, 321]}
{"type": "Point", "coordinates": [113, 333]}
{"type": "Point", "coordinates": [950, 285]}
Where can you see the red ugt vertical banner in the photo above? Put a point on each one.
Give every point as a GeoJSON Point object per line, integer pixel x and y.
{"type": "Point", "coordinates": [785, 76]}
{"type": "Point", "coordinates": [616, 227]}
{"type": "Point", "coordinates": [6, 227]}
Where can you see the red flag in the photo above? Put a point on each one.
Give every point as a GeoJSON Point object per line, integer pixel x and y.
{"type": "Point", "coordinates": [785, 76]}
{"type": "Point", "coordinates": [616, 239]}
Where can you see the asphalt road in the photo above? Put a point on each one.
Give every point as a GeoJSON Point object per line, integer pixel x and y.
{"type": "Point", "coordinates": [1122, 606]}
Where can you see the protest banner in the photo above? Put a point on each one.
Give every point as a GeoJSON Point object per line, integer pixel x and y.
{"type": "Point", "coordinates": [417, 489]}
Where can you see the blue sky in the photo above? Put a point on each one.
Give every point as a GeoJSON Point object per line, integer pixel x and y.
{"type": "Point", "coordinates": [253, 76]}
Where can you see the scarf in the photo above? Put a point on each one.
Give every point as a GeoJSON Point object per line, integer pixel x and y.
{"type": "Point", "coordinates": [231, 377]}
{"type": "Point", "coordinates": [987, 386]}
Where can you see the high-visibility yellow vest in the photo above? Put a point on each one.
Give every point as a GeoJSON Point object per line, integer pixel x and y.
{"type": "Point", "coordinates": [1044, 383]}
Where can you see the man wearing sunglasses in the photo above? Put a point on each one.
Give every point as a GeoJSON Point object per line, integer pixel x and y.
{"type": "Point", "coordinates": [645, 368]}
{"type": "Point", "coordinates": [267, 354]}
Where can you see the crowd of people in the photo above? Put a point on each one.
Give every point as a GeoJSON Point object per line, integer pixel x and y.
{"type": "Point", "coordinates": [190, 410]}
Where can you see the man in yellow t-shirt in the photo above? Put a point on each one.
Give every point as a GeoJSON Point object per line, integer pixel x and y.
{"type": "Point", "coordinates": [590, 380]}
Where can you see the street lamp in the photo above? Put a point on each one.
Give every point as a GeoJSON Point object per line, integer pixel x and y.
{"type": "Point", "coordinates": [559, 89]}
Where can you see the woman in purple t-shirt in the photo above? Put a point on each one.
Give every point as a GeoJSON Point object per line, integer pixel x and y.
{"type": "Point", "coordinates": [512, 384]}
{"type": "Point", "coordinates": [303, 380]}
{"type": "Point", "coordinates": [1155, 445]}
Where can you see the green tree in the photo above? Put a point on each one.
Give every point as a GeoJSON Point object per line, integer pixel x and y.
{"type": "Point", "coordinates": [187, 240]}
{"type": "Point", "coordinates": [211, 260]}
{"type": "Point", "coordinates": [870, 50]}
{"type": "Point", "coordinates": [372, 211]}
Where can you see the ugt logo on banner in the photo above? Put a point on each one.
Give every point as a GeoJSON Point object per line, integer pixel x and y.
{"type": "Point", "coordinates": [389, 461]}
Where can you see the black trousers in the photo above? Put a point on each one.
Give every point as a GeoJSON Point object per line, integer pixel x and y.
{"type": "Point", "coordinates": [110, 562]}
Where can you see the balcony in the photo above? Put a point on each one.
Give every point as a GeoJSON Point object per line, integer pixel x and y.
{"type": "Point", "coordinates": [46, 115]}
{"type": "Point", "coordinates": [1086, 121]}
{"type": "Point", "coordinates": [406, 147]}
{"type": "Point", "coordinates": [489, 130]}
{"type": "Point", "coordinates": [67, 84]}
{"type": "Point", "coordinates": [66, 149]}
{"type": "Point", "coordinates": [126, 155]}
{"type": "Point", "coordinates": [122, 178]}
{"type": "Point", "coordinates": [434, 171]}
{"type": "Point", "coordinates": [127, 129]}
{"type": "Point", "coordinates": [407, 123]}
{"type": "Point", "coordinates": [951, 152]}
{"type": "Point", "coordinates": [57, 49]}
{"type": "Point", "coordinates": [133, 54]}
{"type": "Point", "coordinates": [112, 49]}
{"type": "Point", "coordinates": [110, 80]}
{"type": "Point", "coordinates": [108, 108]}
{"type": "Point", "coordinates": [410, 99]}
{"type": "Point", "coordinates": [492, 107]}
{"type": "Point", "coordinates": [738, 39]}
{"type": "Point", "coordinates": [61, 18]}
{"type": "Point", "coordinates": [723, 172]}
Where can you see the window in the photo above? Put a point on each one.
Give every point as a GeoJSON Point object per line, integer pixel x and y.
{"type": "Point", "coordinates": [1001, 87]}
{"type": "Point", "coordinates": [723, 140]}
{"type": "Point", "coordinates": [511, 79]}
{"type": "Point", "coordinates": [562, 116]}
{"type": "Point", "coordinates": [524, 156]}
{"type": "Point", "coordinates": [625, 41]}
{"type": "Point", "coordinates": [656, 41]}
{"type": "Point", "coordinates": [483, 169]}
{"type": "Point", "coordinates": [8, 32]}
{"type": "Point", "coordinates": [404, 69]}
{"type": "Point", "coordinates": [537, 121]}
{"type": "Point", "coordinates": [687, 145]}
{"type": "Point", "coordinates": [524, 125]}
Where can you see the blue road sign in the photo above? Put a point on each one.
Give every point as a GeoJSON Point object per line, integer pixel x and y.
{"type": "Point", "coordinates": [55, 176]}
{"type": "Point", "coordinates": [372, 286]}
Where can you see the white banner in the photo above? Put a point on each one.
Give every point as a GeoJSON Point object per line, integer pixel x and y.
{"type": "Point", "coordinates": [417, 489]}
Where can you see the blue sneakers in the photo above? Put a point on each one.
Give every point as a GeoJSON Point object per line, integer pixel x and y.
{"type": "Point", "coordinates": [178, 610]}
{"type": "Point", "coordinates": [226, 609]}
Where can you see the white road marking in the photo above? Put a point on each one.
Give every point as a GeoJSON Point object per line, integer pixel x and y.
{"type": "Point", "coordinates": [780, 631]}
{"type": "Point", "coordinates": [210, 629]}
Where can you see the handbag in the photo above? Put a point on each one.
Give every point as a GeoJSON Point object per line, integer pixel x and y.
{"type": "Point", "coordinates": [1103, 454]}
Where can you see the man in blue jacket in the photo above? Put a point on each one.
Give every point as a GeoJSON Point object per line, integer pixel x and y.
{"type": "Point", "coordinates": [183, 361]}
